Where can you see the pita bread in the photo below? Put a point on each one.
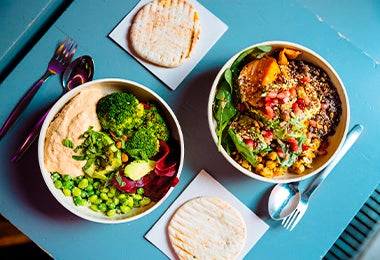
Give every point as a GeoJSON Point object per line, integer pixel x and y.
{"type": "Point", "coordinates": [207, 228]}
{"type": "Point", "coordinates": [165, 32]}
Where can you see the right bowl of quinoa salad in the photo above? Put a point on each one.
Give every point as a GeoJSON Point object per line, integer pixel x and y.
{"type": "Point", "coordinates": [278, 112]}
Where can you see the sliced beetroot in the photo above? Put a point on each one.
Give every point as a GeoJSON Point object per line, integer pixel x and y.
{"type": "Point", "coordinates": [157, 183]}
{"type": "Point", "coordinates": [163, 168]}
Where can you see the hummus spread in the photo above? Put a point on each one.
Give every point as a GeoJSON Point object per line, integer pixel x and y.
{"type": "Point", "coordinates": [70, 123]}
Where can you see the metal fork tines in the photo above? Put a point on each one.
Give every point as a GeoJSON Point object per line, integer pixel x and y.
{"type": "Point", "coordinates": [292, 220]}
{"type": "Point", "coordinates": [58, 63]}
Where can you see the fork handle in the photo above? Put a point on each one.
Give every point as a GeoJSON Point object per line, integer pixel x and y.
{"type": "Point", "coordinates": [23, 103]}
{"type": "Point", "coordinates": [351, 138]}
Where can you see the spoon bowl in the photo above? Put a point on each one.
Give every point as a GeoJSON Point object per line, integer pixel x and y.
{"type": "Point", "coordinates": [78, 72]}
{"type": "Point", "coordinates": [283, 199]}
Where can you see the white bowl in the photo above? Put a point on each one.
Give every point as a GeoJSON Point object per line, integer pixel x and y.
{"type": "Point", "coordinates": [335, 141]}
{"type": "Point", "coordinates": [110, 85]}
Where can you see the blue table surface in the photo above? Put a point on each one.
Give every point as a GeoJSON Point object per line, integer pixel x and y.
{"type": "Point", "coordinates": [347, 38]}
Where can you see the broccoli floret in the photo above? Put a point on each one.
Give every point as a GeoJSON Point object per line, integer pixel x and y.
{"type": "Point", "coordinates": [142, 145]}
{"type": "Point", "coordinates": [120, 112]}
{"type": "Point", "coordinates": [155, 122]}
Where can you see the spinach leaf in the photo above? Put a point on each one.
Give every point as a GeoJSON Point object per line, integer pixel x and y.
{"type": "Point", "coordinates": [223, 109]}
{"type": "Point", "coordinates": [242, 148]}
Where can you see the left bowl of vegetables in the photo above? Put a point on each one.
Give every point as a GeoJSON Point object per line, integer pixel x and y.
{"type": "Point", "coordinates": [111, 150]}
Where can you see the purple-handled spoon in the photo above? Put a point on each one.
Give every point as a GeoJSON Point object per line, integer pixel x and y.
{"type": "Point", "coordinates": [78, 72]}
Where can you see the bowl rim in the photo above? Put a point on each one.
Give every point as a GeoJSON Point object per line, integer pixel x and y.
{"type": "Point", "coordinates": [331, 72]}
{"type": "Point", "coordinates": [58, 105]}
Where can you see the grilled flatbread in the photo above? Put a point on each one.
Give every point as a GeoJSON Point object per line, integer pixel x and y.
{"type": "Point", "coordinates": [207, 228]}
{"type": "Point", "coordinates": [165, 32]}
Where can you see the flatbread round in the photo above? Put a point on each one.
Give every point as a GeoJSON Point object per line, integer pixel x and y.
{"type": "Point", "coordinates": [207, 228]}
{"type": "Point", "coordinates": [165, 32]}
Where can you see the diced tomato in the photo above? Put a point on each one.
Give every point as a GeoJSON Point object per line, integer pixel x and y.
{"type": "Point", "coordinates": [146, 106]}
{"type": "Point", "coordinates": [284, 100]}
{"type": "Point", "coordinates": [304, 80]}
{"type": "Point", "coordinates": [294, 147]}
{"type": "Point", "coordinates": [292, 140]}
{"type": "Point", "coordinates": [267, 134]}
{"type": "Point", "coordinates": [296, 108]}
{"type": "Point", "coordinates": [305, 147]}
{"type": "Point", "coordinates": [281, 95]}
{"type": "Point", "coordinates": [301, 101]}
{"type": "Point", "coordinates": [269, 113]}
{"type": "Point", "coordinates": [280, 153]}
{"type": "Point", "coordinates": [272, 94]}
{"type": "Point", "coordinates": [249, 142]}
{"type": "Point", "coordinates": [267, 99]}
{"type": "Point", "coordinates": [293, 92]}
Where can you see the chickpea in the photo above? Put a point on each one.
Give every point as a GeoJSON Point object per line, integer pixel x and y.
{"type": "Point", "coordinates": [272, 156]}
{"type": "Point", "coordinates": [271, 164]}
{"type": "Point", "coordinates": [124, 157]}
{"type": "Point", "coordinates": [259, 167]}
{"type": "Point", "coordinates": [267, 173]}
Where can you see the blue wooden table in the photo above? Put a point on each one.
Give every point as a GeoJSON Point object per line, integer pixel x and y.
{"type": "Point", "coordinates": [350, 45]}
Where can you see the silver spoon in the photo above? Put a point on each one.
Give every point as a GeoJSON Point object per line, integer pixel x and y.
{"type": "Point", "coordinates": [285, 197]}
{"type": "Point", "coordinates": [78, 72]}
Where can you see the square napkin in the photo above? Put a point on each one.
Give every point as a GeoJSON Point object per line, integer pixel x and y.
{"type": "Point", "coordinates": [211, 30]}
{"type": "Point", "coordinates": [205, 185]}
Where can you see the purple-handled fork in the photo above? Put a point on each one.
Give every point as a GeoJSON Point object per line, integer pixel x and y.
{"type": "Point", "coordinates": [60, 60]}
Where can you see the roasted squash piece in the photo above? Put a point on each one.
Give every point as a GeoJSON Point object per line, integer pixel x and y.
{"type": "Point", "coordinates": [287, 53]}
{"type": "Point", "coordinates": [260, 72]}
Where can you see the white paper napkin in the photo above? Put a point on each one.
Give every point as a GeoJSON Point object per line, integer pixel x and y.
{"type": "Point", "coordinates": [211, 30]}
{"type": "Point", "coordinates": [205, 185]}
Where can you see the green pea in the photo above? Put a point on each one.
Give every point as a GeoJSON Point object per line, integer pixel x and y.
{"type": "Point", "coordinates": [125, 209]}
{"type": "Point", "coordinates": [55, 176]}
{"type": "Point", "coordinates": [137, 196]}
{"type": "Point", "coordinates": [90, 192]}
{"type": "Point", "coordinates": [67, 184]}
{"type": "Point", "coordinates": [78, 201]}
{"type": "Point", "coordinates": [102, 207]}
{"type": "Point", "coordinates": [122, 196]}
{"type": "Point", "coordinates": [66, 192]}
{"type": "Point", "coordinates": [111, 212]}
{"type": "Point", "coordinates": [116, 201]}
{"type": "Point", "coordinates": [145, 201]}
{"type": "Point", "coordinates": [93, 198]}
{"type": "Point", "coordinates": [58, 184]}
{"type": "Point", "coordinates": [76, 192]}
{"type": "Point", "coordinates": [96, 184]}
{"type": "Point", "coordinates": [66, 177]}
{"type": "Point", "coordinates": [103, 196]}
{"type": "Point", "coordinates": [105, 190]}
{"type": "Point", "coordinates": [83, 183]}
{"type": "Point", "coordinates": [94, 207]}
{"type": "Point", "coordinates": [129, 202]}
{"type": "Point", "coordinates": [90, 187]}
{"type": "Point", "coordinates": [110, 204]}
{"type": "Point", "coordinates": [140, 191]}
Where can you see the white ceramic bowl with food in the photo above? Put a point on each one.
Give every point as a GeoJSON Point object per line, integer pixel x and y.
{"type": "Point", "coordinates": [273, 91]}
{"type": "Point", "coordinates": [92, 92]}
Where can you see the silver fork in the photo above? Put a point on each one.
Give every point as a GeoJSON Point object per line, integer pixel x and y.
{"type": "Point", "coordinates": [57, 64]}
{"type": "Point", "coordinates": [292, 220]}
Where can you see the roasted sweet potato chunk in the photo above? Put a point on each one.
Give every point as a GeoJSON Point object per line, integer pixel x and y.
{"type": "Point", "coordinates": [287, 53]}
{"type": "Point", "coordinates": [260, 72]}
